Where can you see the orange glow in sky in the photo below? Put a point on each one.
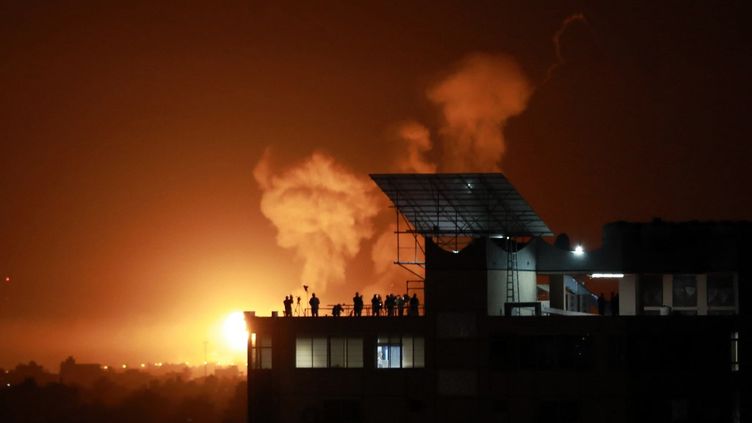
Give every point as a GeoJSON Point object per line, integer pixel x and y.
{"type": "Point", "coordinates": [235, 331]}
{"type": "Point", "coordinates": [165, 167]}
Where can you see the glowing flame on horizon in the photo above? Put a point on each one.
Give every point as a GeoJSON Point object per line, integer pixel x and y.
{"type": "Point", "coordinates": [235, 331]}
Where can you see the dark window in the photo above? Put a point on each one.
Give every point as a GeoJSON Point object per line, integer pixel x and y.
{"type": "Point", "coordinates": [685, 291]}
{"type": "Point", "coordinates": [721, 290]}
{"type": "Point", "coordinates": [261, 352]}
{"type": "Point", "coordinates": [651, 288]}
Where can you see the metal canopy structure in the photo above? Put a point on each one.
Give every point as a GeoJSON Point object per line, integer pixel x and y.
{"type": "Point", "coordinates": [461, 204]}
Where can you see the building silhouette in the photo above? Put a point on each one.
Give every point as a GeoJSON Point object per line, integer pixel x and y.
{"type": "Point", "coordinates": [510, 329]}
{"type": "Point", "coordinates": [72, 373]}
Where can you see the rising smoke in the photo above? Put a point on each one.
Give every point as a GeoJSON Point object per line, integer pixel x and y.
{"type": "Point", "coordinates": [476, 100]}
{"type": "Point", "coordinates": [321, 210]}
{"type": "Point", "coordinates": [556, 40]}
{"type": "Point", "coordinates": [416, 143]}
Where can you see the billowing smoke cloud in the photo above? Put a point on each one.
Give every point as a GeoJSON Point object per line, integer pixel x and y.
{"type": "Point", "coordinates": [476, 101]}
{"type": "Point", "coordinates": [321, 210]}
{"type": "Point", "coordinates": [416, 143]}
{"type": "Point", "coordinates": [556, 39]}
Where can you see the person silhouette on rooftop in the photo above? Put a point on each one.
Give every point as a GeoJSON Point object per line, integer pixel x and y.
{"type": "Point", "coordinates": [314, 303]}
{"type": "Point", "coordinates": [288, 306]}
{"type": "Point", "coordinates": [414, 305]}
{"type": "Point", "coordinates": [357, 304]}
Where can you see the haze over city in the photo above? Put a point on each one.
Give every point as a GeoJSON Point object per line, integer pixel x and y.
{"type": "Point", "coordinates": [167, 165]}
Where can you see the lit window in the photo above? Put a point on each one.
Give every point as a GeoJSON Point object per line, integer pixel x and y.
{"type": "Point", "coordinates": [346, 352]}
{"type": "Point", "coordinates": [393, 352]}
{"type": "Point", "coordinates": [322, 352]}
{"type": "Point", "coordinates": [413, 352]}
{"type": "Point", "coordinates": [310, 352]}
{"type": "Point", "coordinates": [261, 352]}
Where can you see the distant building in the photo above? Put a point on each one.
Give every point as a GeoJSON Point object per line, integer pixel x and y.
{"type": "Point", "coordinates": [507, 333]}
{"type": "Point", "coordinates": [227, 372]}
{"type": "Point", "coordinates": [72, 373]}
{"type": "Point", "coordinates": [28, 371]}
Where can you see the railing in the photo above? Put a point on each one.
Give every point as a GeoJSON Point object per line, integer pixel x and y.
{"type": "Point", "coordinates": [348, 310]}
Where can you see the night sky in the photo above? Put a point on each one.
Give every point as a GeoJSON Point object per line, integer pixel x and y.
{"type": "Point", "coordinates": [164, 165]}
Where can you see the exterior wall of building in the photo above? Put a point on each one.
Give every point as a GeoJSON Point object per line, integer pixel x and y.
{"type": "Point", "coordinates": [286, 393]}
{"type": "Point", "coordinates": [628, 295]}
{"type": "Point", "coordinates": [584, 369]}
{"type": "Point", "coordinates": [479, 366]}
{"type": "Point", "coordinates": [497, 290]}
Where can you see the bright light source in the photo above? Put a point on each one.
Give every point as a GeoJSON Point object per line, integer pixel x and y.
{"type": "Point", "coordinates": [143, 365]}
{"type": "Point", "coordinates": [578, 250]}
{"type": "Point", "coordinates": [607, 275]}
{"type": "Point", "coordinates": [7, 279]}
{"type": "Point", "coordinates": [235, 331]}
{"type": "Point", "coordinates": [105, 367]}
{"type": "Point", "coordinates": [456, 251]}
{"type": "Point", "coordinates": [125, 366]}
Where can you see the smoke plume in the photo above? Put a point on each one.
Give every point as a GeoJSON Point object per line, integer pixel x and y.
{"type": "Point", "coordinates": [416, 143]}
{"type": "Point", "coordinates": [556, 39]}
{"type": "Point", "coordinates": [321, 210]}
{"type": "Point", "coordinates": [476, 101]}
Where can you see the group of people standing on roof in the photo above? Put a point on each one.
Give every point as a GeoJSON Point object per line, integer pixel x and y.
{"type": "Point", "coordinates": [313, 302]}
{"type": "Point", "coordinates": [393, 305]}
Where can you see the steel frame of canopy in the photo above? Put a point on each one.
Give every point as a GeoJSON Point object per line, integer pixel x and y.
{"type": "Point", "coordinates": [454, 208]}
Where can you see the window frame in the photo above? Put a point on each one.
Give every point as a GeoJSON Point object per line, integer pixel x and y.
{"type": "Point", "coordinates": [261, 352]}
{"type": "Point", "coordinates": [350, 360]}
{"type": "Point", "coordinates": [400, 342]}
